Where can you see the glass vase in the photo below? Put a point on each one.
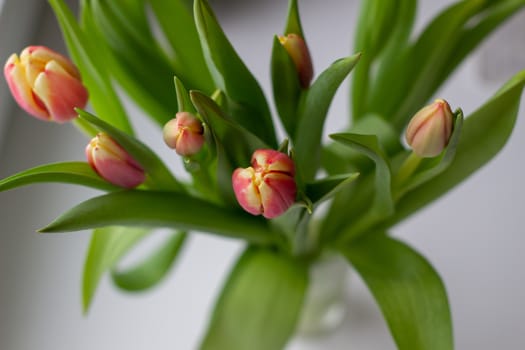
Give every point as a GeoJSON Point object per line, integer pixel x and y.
{"type": "Point", "coordinates": [325, 305]}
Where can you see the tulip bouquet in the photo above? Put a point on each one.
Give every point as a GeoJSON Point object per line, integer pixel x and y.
{"type": "Point", "coordinates": [293, 199]}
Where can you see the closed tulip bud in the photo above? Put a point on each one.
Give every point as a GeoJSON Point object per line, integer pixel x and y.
{"type": "Point", "coordinates": [298, 51]}
{"type": "Point", "coordinates": [184, 134]}
{"type": "Point", "coordinates": [113, 163]}
{"type": "Point", "coordinates": [268, 186]}
{"type": "Point", "coordinates": [429, 131]}
{"type": "Point", "coordinates": [45, 84]}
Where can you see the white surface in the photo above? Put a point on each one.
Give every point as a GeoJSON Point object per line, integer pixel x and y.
{"type": "Point", "coordinates": [473, 235]}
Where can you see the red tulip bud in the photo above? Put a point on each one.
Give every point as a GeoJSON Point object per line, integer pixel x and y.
{"type": "Point", "coordinates": [113, 163]}
{"type": "Point", "coordinates": [45, 84]}
{"type": "Point", "coordinates": [298, 51]}
{"type": "Point", "coordinates": [185, 134]}
{"type": "Point", "coordinates": [268, 186]}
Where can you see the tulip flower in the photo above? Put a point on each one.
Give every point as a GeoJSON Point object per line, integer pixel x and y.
{"type": "Point", "coordinates": [45, 84]}
{"type": "Point", "coordinates": [298, 51]}
{"type": "Point", "coordinates": [429, 131]}
{"type": "Point", "coordinates": [113, 163]}
{"type": "Point", "coordinates": [184, 133]}
{"type": "Point", "coordinates": [268, 186]}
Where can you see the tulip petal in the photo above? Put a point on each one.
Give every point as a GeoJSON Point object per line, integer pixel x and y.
{"type": "Point", "coordinates": [278, 193]}
{"type": "Point", "coordinates": [15, 76]}
{"type": "Point", "coordinates": [60, 92]}
{"type": "Point", "coordinates": [43, 54]}
{"type": "Point", "coordinates": [246, 191]}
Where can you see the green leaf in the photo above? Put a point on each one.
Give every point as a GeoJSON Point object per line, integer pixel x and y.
{"type": "Point", "coordinates": [150, 162]}
{"type": "Point", "coordinates": [323, 189]}
{"type": "Point", "coordinates": [484, 134]}
{"type": "Point", "coordinates": [102, 97]}
{"type": "Point", "coordinates": [79, 173]}
{"type": "Point", "coordinates": [238, 141]}
{"type": "Point", "coordinates": [312, 114]}
{"type": "Point", "coordinates": [107, 246]}
{"type": "Point", "coordinates": [232, 76]}
{"type": "Point", "coordinates": [151, 271]}
{"type": "Point", "coordinates": [431, 167]}
{"type": "Point", "coordinates": [337, 158]}
{"type": "Point", "coordinates": [375, 25]}
{"type": "Point", "coordinates": [124, 75]}
{"type": "Point", "coordinates": [260, 304]}
{"type": "Point", "coordinates": [183, 97]}
{"type": "Point", "coordinates": [174, 18]}
{"type": "Point", "coordinates": [162, 209]}
{"type": "Point", "coordinates": [382, 204]}
{"type": "Point", "coordinates": [293, 20]}
{"type": "Point", "coordinates": [125, 30]}
{"type": "Point", "coordinates": [286, 86]}
{"type": "Point", "coordinates": [408, 290]}
{"type": "Point", "coordinates": [471, 36]}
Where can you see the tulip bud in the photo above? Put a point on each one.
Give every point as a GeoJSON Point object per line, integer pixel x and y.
{"type": "Point", "coordinates": [45, 84]}
{"type": "Point", "coordinates": [113, 163]}
{"type": "Point", "coordinates": [268, 186]}
{"type": "Point", "coordinates": [298, 51]}
{"type": "Point", "coordinates": [184, 133]}
{"type": "Point", "coordinates": [429, 130]}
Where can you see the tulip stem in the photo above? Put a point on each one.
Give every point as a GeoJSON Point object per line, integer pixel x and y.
{"type": "Point", "coordinates": [406, 170]}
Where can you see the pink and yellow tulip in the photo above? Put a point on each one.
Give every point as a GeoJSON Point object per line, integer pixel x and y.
{"type": "Point", "coordinates": [45, 84]}
{"type": "Point", "coordinates": [268, 187]}
{"type": "Point", "coordinates": [429, 130]}
{"type": "Point", "coordinates": [113, 163]}
{"type": "Point", "coordinates": [184, 134]}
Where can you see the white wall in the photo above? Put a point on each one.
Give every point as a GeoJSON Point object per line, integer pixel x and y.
{"type": "Point", "coordinates": [473, 235]}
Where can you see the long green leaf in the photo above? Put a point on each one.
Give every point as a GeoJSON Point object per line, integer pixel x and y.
{"type": "Point", "coordinates": [375, 25]}
{"type": "Point", "coordinates": [232, 76]}
{"type": "Point", "coordinates": [79, 173]}
{"type": "Point", "coordinates": [125, 29]}
{"type": "Point", "coordinates": [83, 51]}
{"type": "Point", "coordinates": [382, 204]}
{"type": "Point", "coordinates": [154, 167]}
{"type": "Point", "coordinates": [153, 269]}
{"type": "Point", "coordinates": [286, 86]}
{"type": "Point", "coordinates": [312, 115]}
{"type": "Point", "coordinates": [174, 18]}
{"type": "Point", "coordinates": [484, 134]}
{"type": "Point", "coordinates": [323, 189]}
{"type": "Point", "coordinates": [260, 304]}
{"type": "Point", "coordinates": [126, 77]}
{"type": "Point", "coordinates": [408, 291]}
{"type": "Point", "coordinates": [162, 209]}
{"type": "Point", "coordinates": [107, 246]}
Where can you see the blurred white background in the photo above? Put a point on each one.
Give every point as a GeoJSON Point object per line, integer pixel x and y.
{"type": "Point", "coordinates": [474, 235]}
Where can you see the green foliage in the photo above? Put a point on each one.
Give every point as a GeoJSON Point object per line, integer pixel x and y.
{"type": "Point", "coordinates": [108, 245]}
{"type": "Point", "coordinates": [78, 173]}
{"type": "Point", "coordinates": [312, 115]}
{"type": "Point", "coordinates": [407, 289]}
{"type": "Point", "coordinates": [232, 76]}
{"type": "Point", "coordinates": [162, 209]}
{"type": "Point", "coordinates": [260, 304]}
{"type": "Point", "coordinates": [153, 269]}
